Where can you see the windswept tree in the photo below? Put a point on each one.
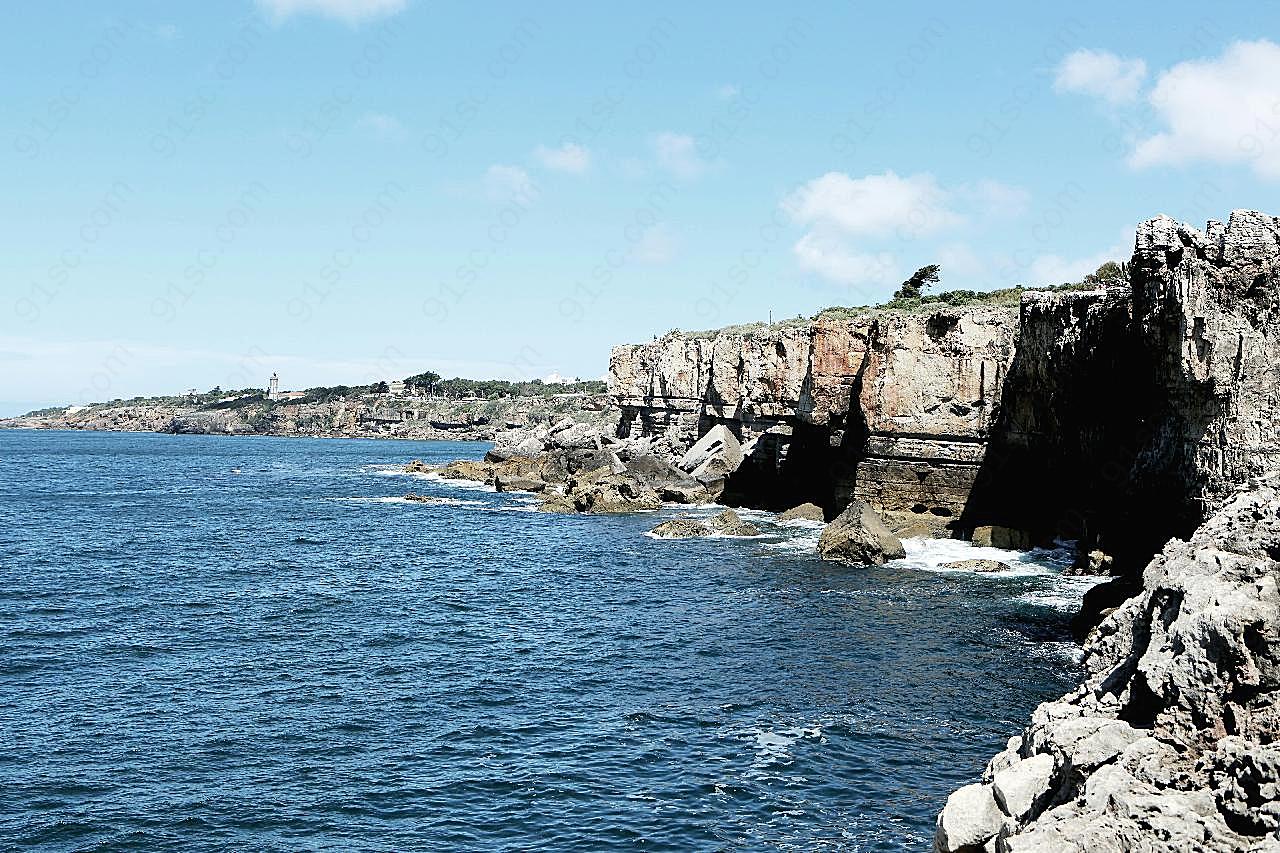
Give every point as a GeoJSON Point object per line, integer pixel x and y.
{"type": "Point", "coordinates": [1109, 274]}
{"type": "Point", "coordinates": [913, 287]}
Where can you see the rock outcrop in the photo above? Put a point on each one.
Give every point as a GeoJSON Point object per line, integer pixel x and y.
{"type": "Point", "coordinates": [1170, 744]}
{"type": "Point", "coordinates": [727, 523]}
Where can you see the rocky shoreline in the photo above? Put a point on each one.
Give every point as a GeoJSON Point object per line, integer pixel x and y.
{"type": "Point", "coordinates": [1135, 421]}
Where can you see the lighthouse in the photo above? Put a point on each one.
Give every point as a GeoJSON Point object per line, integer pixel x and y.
{"type": "Point", "coordinates": [273, 387]}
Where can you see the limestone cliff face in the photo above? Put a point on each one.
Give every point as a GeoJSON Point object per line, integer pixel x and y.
{"type": "Point", "coordinates": [1121, 416]}
{"type": "Point", "coordinates": [892, 407]}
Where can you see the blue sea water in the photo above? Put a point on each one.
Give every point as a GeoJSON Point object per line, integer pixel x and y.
{"type": "Point", "coordinates": [212, 643]}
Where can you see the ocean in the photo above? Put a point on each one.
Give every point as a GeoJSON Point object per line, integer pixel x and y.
{"type": "Point", "coordinates": [215, 643]}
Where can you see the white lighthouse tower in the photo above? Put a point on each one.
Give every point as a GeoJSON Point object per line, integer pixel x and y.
{"type": "Point", "coordinates": [273, 387]}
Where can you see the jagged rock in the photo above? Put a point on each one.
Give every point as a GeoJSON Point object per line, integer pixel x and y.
{"type": "Point", "coordinates": [1094, 562]}
{"type": "Point", "coordinates": [1169, 744]}
{"type": "Point", "coordinates": [978, 565]}
{"type": "Point", "coordinates": [805, 511]}
{"type": "Point", "coordinates": [718, 446]}
{"type": "Point", "coordinates": [859, 536]}
{"type": "Point", "coordinates": [417, 466]}
{"type": "Point", "coordinates": [424, 499]}
{"type": "Point", "coordinates": [681, 528]}
{"type": "Point", "coordinates": [729, 523]}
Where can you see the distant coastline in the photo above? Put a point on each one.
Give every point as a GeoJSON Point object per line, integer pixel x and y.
{"type": "Point", "coordinates": [358, 413]}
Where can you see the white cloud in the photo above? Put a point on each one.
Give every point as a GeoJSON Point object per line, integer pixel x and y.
{"type": "Point", "coordinates": [167, 32]}
{"type": "Point", "coordinates": [349, 11]}
{"type": "Point", "coordinates": [678, 154]}
{"type": "Point", "coordinates": [657, 245]}
{"type": "Point", "coordinates": [569, 157]}
{"type": "Point", "coordinates": [1101, 75]}
{"type": "Point", "coordinates": [875, 205]}
{"type": "Point", "coordinates": [1050, 269]}
{"type": "Point", "coordinates": [993, 198]}
{"type": "Point", "coordinates": [509, 183]}
{"type": "Point", "coordinates": [1224, 110]}
{"type": "Point", "coordinates": [831, 259]}
{"type": "Point", "coordinates": [381, 125]}
{"type": "Point", "coordinates": [727, 92]}
{"type": "Point", "coordinates": [960, 260]}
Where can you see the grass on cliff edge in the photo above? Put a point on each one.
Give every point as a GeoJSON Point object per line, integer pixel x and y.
{"type": "Point", "coordinates": [1009, 297]}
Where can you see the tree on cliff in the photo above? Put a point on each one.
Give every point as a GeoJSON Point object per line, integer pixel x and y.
{"type": "Point", "coordinates": [920, 279]}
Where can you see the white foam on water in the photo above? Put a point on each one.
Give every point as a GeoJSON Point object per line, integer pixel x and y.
{"type": "Point", "coordinates": [428, 499]}
{"type": "Point", "coordinates": [773, 746]}
{"type": "Point", "coordinates": [931, 555]}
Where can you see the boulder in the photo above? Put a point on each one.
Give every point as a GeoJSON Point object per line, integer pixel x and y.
{"type": "Point", "coordinates": [518, 483]}
{"type": "Point", "coordinates": [1094, 562]}
{"type": "Point", "coordinates": [1023, 787]}
{"type": "Point", "coordinates": [589, 459]}
{"type": "Point", "coordinates": [719, 443]}
{"type": "Point", "coordinates": [417, 466]}
{"type": "Point", "coordinates": [729, 523]}
{"type": "Point", "coordinates": [859, 536]}
{"type": "Point", "coordinates": [575, 437]}
{"type": "Point", "coordinates": [467, 469]}
{"type": "Point", "coordinates": [670, 482]}
{"type": "Point", "coordinates": [969, 820]}
{"type": "Point", "coordinates": [681, 528]}
{"type": "Point", "coordinates": [603, 491]}
{"type": "Point", "coordinates": [995, 536]}
{"type": "Point", "coordinates": [978, 566]}
{"type": "Point", "coordinates": [557, 503]}
{"type": "Point", "coordinates": [805, 511]}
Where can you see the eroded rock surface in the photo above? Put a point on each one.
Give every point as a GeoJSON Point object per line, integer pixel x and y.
{"type": "Point", "coordinates": [1170, 744]}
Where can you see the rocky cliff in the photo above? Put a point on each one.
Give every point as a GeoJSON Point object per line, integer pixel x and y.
{"type": "Point", "coordinates": [1121, 417]}
{"type": "Point", "coordinates": [1117, 416]}
{"type": "Point", "coordinates": [1170, 744]}
{"type": "Point", "coordinates": [891, 407]}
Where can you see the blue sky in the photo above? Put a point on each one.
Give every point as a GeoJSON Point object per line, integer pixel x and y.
{"type": "Point", "coordinates": [199, 194]}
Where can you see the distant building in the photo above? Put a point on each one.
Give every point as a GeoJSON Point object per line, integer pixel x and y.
{"type": "Point", "coordinates": [396, 388]}
{"type": "Point", "coordinates": [273, 387]}
{"type": "Point", "coordinates": [290, 395]}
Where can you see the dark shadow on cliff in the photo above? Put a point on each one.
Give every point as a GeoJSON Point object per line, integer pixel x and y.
{"type": "Point", "coordinates": [1094, 439]}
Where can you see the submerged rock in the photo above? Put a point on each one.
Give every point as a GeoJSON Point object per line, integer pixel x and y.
{"type": "Point", "coordinates": [978, 565]}
{"type": "Point", "coordinates": [858, 535]}
{"type": "Point", "coordinates": [417, 466]}
{"type": "Point", "coordinates": [729, 523]}
{"type": "Point", "coordinates": [467, 469]}
{"type": "Point", "coordinates": [681, 528]}
{"type": "Point", "coordinates": [805, 511]}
